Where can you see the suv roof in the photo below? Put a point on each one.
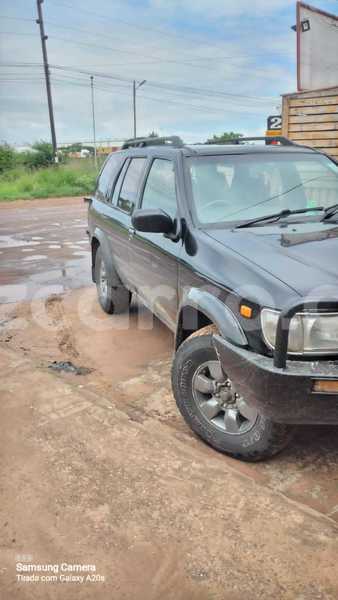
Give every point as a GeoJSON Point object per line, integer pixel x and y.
{"type": "Point", "coordinates": [174, 145]}
{"type": "Point", "coordinates": [208, 149]}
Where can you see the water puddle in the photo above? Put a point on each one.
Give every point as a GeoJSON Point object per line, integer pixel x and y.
{"type": "Point", "coordinates": [35, 257]}
{"type": "Point", "coordinates": [9, 241]}
{"type": "Point", "coordinates": [28, 238]}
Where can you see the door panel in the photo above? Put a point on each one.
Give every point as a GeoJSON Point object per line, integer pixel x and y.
{"type": "Point", "coordinates": [116, 215]}
{"type": "Point", "coordinates": [111, 221]}
{"type": "Point", "coordinates": [115, 224]}
{"type": "Point", "coordinates": [153, 257]}
{"type": "Point", "coordinates": [154, 269]}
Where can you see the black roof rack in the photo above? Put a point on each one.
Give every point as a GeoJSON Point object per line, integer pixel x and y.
{"type": "Point", "coordinates": [172, 140]}
{"type": "Point", "coordinates": [269, 138]}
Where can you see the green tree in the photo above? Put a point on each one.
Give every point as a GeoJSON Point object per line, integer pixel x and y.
{"type": "Point", "coordinates": [7, 157]}
{"type": "Point", "coordinates": [224, 137]}
{"type": "Point", "coordinates": [40, 156]}
{"type": "Point", "coordinates": [44, 151]}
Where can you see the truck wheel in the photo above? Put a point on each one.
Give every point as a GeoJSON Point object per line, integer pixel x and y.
{"type": "Point", "coordinates": [112, 299]}
{"type": "Point", "coordinates": [210, 405]}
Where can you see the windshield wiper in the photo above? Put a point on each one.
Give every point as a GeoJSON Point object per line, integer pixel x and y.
{"type": "Point", "coordinates": [330, 211]}
{"type": "Point", "coordinates": [276, 216]}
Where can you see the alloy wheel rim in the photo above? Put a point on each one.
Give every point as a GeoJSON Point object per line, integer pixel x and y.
{"type": "Point", "coordinates": [218, 402]}
{"type": "Point", "coordinates": [103, 281]}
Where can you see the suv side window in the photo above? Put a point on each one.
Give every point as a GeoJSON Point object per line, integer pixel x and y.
{"type": "Point", "coordinates": [107, 176]}
{"type": "Point", "coordinates": [160, 188]}
{"type": "Point", "coordinates": [118, 183]}
{"type": "Point", "coordinates": [128, 194]}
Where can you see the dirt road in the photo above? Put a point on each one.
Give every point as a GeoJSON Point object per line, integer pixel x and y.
{"type": "Point", "coordinates": [100, 468]}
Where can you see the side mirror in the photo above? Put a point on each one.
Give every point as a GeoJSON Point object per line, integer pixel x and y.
{"type": "Point", "coordinates": [152, 221]}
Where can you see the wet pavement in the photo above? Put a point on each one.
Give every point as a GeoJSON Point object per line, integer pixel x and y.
{"type": "Point", "coordinates": [43, 248]}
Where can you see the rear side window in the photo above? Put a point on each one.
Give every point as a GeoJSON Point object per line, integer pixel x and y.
{"type": "Point", "coordinates": [107, 177]}
{"type": "Point", "coordinates": [128, 194]}
{"type": "Point", "coordinates": [160, 189]}
{"type": "Point", "coordinates": [118, 183]}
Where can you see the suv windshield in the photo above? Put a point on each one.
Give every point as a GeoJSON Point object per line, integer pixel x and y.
{"type": "Point", "coordinates": [234, 188]}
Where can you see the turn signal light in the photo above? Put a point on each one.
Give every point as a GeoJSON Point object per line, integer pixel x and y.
{"type": "Point", "coordinates": [326, 386]}
{"type": "Point", "coordinates": [245, 311]}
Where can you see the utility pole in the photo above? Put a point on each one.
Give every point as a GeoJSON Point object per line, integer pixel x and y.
{"type": "Point", "coordinates": [135, 87]}
{"type": "Point", "coordinates": [44, 37]}
{"type": "Point", "coordinates": [134, 106]}
{"type": "Point", "coordinates": [93, 115]}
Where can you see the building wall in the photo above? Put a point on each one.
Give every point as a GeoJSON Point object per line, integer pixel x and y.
{"type": "Point", "coordinates": [311, 118]}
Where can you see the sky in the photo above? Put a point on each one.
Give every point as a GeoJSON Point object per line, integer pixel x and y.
{"type": "Point", "coordinates": [210, 66]}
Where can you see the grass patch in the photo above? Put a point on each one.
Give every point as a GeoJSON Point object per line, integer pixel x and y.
{"type": "Point", "coordinates": [70, 180]}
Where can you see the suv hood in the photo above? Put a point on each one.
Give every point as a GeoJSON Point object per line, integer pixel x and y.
{"type": "Point", "coordinates": [304, 256]}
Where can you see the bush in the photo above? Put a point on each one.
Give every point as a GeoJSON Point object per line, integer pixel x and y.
{"type": "Point", "coordinates": [41, 156]}
{"type": "Point", "coordinates": [8, 158]}
{"type": "Point", "coordinates": [224, 137]}
{"type": "Point", "coordinates": [48, 182]}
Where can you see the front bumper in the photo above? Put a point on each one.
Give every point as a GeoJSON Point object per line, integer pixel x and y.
{"type": "Point", "coordinates": [285, 395]}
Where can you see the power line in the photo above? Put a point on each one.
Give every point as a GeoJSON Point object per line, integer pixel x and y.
{"type": "Point", "coordinates": [162, 32]}
{"type": "Point", "coordinates": [155, 60]}
{"type": "Point", "coordinates": [115, 19]}
{"type": "Point", "coordinates": [170, 87]}
{"type": "Point", "coordinates": [60, 80]}
{"type": "Point", "coordinates": [128, 23]}
{"type": "Point", "coordinates": [110, 48]}
{"type": "Point", "coordinates": [16, 18]}
{"type": "Point", "coordinates": [129, 52]}
{"type": "Point", "coordinates": [18, 33]}
{"type": "Point", "coordinates": [199, 108]}
{"type": "Point", "coordinates": [212, 93]}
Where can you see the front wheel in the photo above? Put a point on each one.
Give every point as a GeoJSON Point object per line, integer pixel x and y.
{"type": "Point", "coordinates": [212, 408]}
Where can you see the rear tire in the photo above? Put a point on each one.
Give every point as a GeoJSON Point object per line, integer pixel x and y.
{"type": "Point", "coordinates": [211, 407]}
{"type": "Point", "coordinates": [113, 300]}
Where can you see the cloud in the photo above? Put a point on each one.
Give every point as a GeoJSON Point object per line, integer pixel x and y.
{"type": "Point", "coordinates": [248, 68]}
{"type": "Point", "coordinates": [223, 8]}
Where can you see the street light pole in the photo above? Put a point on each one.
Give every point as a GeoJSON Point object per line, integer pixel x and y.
{"type": "Point", "coordinates": [93, 116]}
{"type": "Point", "coordinates": [135, 87]}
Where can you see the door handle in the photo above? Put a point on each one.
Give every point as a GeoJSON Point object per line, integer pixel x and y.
{"type": "Point", "coordinates": [131, 233]}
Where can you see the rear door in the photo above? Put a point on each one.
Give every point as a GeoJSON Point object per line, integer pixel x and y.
{"type": "Point", "coordinates": [123, 201]}
{"type": "Point", "coordinates": [100, 208]}
{"type": "Point", "coordinates": [111, 208]}
{"type": "Point", "coordinates": [153, 257]}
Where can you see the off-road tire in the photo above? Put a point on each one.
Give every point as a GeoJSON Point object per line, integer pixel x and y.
{"type": "Point", "coordinates": [262, 441]}
{"type": "Point", "coordinates": [113, 300]}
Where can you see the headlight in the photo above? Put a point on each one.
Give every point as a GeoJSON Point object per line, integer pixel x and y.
{"type": "Point", "coordinates": [310, 333]}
